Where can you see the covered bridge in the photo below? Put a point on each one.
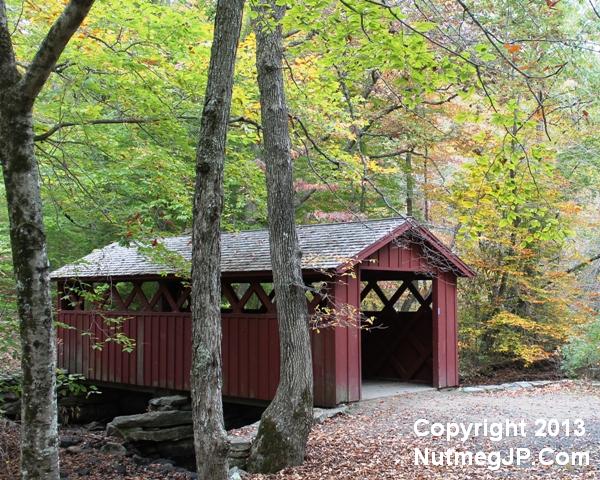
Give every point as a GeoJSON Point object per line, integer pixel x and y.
{"type": "Point", "coordinates": [382, 294]}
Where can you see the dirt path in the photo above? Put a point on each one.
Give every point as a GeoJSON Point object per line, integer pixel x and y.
{"type": "Point", "coordinates": [376, 439]}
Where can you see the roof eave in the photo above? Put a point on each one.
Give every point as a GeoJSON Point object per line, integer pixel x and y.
{"type": "Point", "coordinates": [462, 269]}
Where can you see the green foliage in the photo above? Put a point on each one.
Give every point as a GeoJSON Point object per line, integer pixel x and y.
{"type": "Point", "coordinates": [73, 385]}
{"type": "Point", "coordinates": [366, 83]}
{"type": "Point", "coordinates": [581, 354]}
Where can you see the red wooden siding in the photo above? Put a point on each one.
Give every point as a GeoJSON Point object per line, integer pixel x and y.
{"type": "Point", "coordinates": [345, 356]}
{"type": "Point", "coordinates": [445, 342]}
{"type": "Point", "coordinates": [397, 257]}
{"type": "Point", "coordinates": [421, 344]}
{"type": "Point", "coordinates": [162, 356]}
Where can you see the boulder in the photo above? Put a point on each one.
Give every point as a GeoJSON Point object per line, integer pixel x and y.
{"type": "Point", "coordinates": [69, 440]}
{"type": "Point", "coordinates": [113, 448]}
{"type": "Point", "coordinates": [236, 473]}
{"type": "Point", "coordinates": [158, 419]}
{"type": "Point", "coordinates": [322, 414]}
{"type": "Point", "coordinates": [171, 402]}
{"type": "Point", "coordinates": [169, 434]}
{"type": "Point", "coordinates": [239, 447]}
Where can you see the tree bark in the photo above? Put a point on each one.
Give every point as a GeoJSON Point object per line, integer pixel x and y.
{"type": "Point", "coordinates": [410, 184]}
{"type": "Point", "coordinates": [286, 423]}
{"type": "Point", "coordinates": [39, 431]}
{"type": "Point", "coordinates": [210, 438]}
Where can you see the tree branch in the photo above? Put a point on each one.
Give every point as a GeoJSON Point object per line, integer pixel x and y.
{"type": "Point", "coordinates": [8, 67]}
{"type": "Point", "coordinates": [584, 264]}
{"type": "Point", "coordinates": [130, 120]}
{"type": "Point", "coordinates": [594, 8]}
{"type": "Point", "coordinates": [52, 47]}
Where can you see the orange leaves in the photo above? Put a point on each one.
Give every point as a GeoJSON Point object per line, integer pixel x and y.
{"type": "Point", "coordinates": [512, 47]}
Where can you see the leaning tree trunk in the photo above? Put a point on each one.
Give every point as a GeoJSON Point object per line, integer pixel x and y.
{"type": "Point", "coordinates": [210, 438]}
{"type": "Point", "coordinates": [286, 423]}
{"type": "Point", "coordinates": [39, 435]}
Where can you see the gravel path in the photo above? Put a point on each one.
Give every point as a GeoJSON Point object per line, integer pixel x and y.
{"type": "Point", "coordinates": [375, 440]}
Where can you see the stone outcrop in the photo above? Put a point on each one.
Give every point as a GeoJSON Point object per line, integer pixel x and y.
{"type": "Point", "coordinates": [166, 431]}
{"type": "Point", "coordinates": [172, 402]}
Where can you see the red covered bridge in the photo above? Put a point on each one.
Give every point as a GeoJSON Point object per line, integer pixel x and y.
{"type": "Point", "coordinates": [382, 294]}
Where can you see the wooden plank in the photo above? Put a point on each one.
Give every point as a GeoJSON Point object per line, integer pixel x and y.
{"type": "Point", "coordinates": [263, 359]}
{"type": "Point", "coordinates": [187, 347]}
{"type": "Point", "coordinates": [253, 354]}
{"type": "Point", "coordinates": [225, 354]}
{"type": "Point", "coordinates": [163, 355]}
{"type": "Point", "coordinates": [273, 356]}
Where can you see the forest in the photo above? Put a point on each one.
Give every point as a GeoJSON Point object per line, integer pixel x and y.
{"type": "Point", "coordinates": [479, 120]}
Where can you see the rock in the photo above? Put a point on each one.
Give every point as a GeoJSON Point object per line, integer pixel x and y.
{"type": "Point", "coordinates": [172, 402]}
{"type": "Point", "coordinates": [322, 414]}
{"type": "Point", "coordinates": [84, 472]}
{"type": "Point", "coordinates": [182, 449]}
{"type": "Point", "coordinates": [94, 426]}
{"type": "Point", "coordinates": [492, 388]}
{"type": "Point", "coordinates": [163, 465]}
{"type": "Point", "coordinates": [472, 389]}
{"type": "Point", "coordinates": [524, 384]}
{"type": "Point", "coordinates": [74, 449]}
{"type": "Point", "coordinates": [236, 473]}
{"type": "Point", "coordinates": [170, 434]}
{"type": "Point", "coordinates": [113, 448]}
{"type": "Point", "coordinates": [152, 420]}
{"type": "Point", "coordinates": [69, 441]}
{"type": "Point", "coordinates": [138, 460]}
{"type": "Point", "coordinates": [239, 444]}
{"type": "Point", "coordinates": [542, 383]}
{"type": "Point", "coordinates": [512, 386]}
{"type": "Point", "coordinates": [120, 469]}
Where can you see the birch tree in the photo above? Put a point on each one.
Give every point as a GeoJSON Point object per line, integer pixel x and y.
{"type": "Point", "coordinates": [210, 438]}
{"type": "Point", "coordinates": [286, 423]}
{"type": "Point", "coordinates": [18, 92]}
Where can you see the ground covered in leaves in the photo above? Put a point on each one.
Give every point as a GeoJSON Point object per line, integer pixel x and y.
{"type": "Point", "coordinates": [375, 439]}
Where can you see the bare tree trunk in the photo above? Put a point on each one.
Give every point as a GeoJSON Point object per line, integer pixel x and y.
{"type": "Point", "coordinates": [286, 423]}
{"type": "Point", "coordinates": [210, 438]}
{"type": "Point", "coordinates": [410, 185]}
{"type": "Point", "coordinates": [39, 432]}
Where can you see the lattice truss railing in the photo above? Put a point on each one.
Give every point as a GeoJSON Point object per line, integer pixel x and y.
{"type": "Point", "coordinates": [167, 295]}
{"type": "Point", "coordinates": [399, 296]}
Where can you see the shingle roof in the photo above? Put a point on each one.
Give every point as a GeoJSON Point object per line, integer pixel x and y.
{"type": "Point", "coordinates": [324, 246]}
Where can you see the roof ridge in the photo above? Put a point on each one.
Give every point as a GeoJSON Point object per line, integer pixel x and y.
{"type": "Point", "coordinates": [301, 225]}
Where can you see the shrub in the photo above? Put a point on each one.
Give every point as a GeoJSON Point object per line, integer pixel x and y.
{"type": "Point", "coordinates": [581, 354]}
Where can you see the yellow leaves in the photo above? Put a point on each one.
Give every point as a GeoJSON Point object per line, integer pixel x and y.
{"type": "Point", "coordinates": [524, 338]}
{"type": "Point", "coordinates": [375, 167]}
{"type": "Point", "coordinates": [507, 319]}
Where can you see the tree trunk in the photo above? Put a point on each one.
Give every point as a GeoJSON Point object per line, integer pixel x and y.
{"type": "Point", "coordinates": [39, 448]}
{"type": "Point", "coordinates": [210, 438]}
{"type": "Point", "coordinates": [39, 432]}
{"type": "Point", "coordinates": [286, 423]}
{"type": "Point", "coordinates": [410, 185]}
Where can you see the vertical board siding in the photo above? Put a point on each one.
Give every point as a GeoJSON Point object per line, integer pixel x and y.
{"type": "Point", "coordinates": [398, 258]}
{"type": "Point", "coordinates": [445, 352]}
{"type": "Point", "coordinates": [162, 355]}
{"type": "Point", "coordinates": [345, 357]}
